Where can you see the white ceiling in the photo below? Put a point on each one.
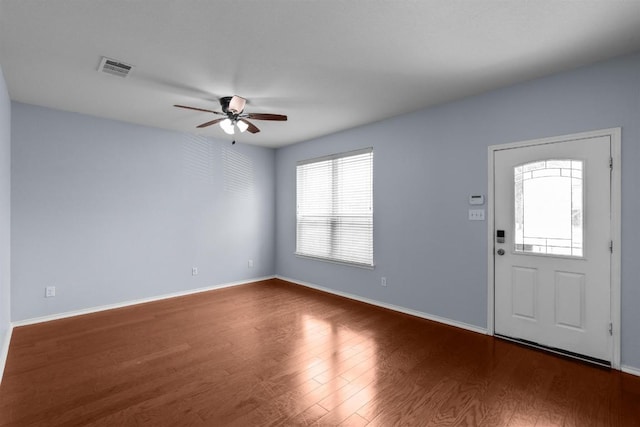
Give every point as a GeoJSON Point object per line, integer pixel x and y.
{"type": "Point", "coordinates": [329, 65]}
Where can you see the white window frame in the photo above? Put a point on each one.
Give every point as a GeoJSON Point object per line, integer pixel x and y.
{"type": "Point", "coordinates": [336, 213]}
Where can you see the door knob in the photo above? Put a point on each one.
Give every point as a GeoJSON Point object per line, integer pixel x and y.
{"type": "Point", "coordinates": [500, 252]}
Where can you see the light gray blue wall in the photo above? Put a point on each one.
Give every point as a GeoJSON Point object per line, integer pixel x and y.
{"type": "Point", "coordinates": [111, 212]}
{"type": "Point", "coordinates": [428, 163]}
{"type": "Point", "coordinates": [5, 211]}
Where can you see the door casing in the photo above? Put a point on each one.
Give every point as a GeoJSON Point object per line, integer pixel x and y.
{"type": "Point", "coordinates": [616, 195]}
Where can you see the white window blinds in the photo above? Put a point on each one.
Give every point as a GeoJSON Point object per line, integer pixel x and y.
{"type": "Point", "coordinates": [335, 207]}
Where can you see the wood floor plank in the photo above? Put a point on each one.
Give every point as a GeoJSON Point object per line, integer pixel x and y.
{"type": "Point", "coordinates": [273, 353]}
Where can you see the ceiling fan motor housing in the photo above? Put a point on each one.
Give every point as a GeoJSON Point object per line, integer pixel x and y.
{"type": "Point", "coordinates": [224, 103]}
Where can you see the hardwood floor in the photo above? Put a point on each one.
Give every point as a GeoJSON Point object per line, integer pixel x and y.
{"type": "Point", "coordinates": [274, 353]}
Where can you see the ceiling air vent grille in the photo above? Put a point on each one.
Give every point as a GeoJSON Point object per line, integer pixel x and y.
{"type": "Point", "coordinates": [114, 67]}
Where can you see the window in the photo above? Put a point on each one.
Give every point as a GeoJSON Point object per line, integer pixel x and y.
{"type": "Point", "coordinates": [548, 207]}
{"type": "Point", "coordinates": [334, 219]}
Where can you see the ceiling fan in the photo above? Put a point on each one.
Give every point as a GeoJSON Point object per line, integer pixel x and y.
{"type": "Point", "coordinates": [234, 115]}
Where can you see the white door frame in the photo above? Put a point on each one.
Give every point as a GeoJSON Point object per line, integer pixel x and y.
{"type": "Point", "coordinates": [616, 195]}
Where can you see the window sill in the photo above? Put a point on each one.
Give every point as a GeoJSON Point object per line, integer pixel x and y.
{"type": "Point", "coordinates": [334, 261]}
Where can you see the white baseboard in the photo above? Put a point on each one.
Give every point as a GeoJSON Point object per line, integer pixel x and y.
{"type": "Point", "coordinates": [630, 370]}
{"type": "Point", "coordinates": [393, 307]}
{"type": "Point", "coordinates": [4, 351]}
{"type": "Point", "coordinates": [133, 302]}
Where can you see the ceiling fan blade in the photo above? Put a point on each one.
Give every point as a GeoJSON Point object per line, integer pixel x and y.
{"type": "Point", "coordinates": [212, 122]}
{"type": "Point", "coordinates": [199, 109]}
{"type": "Point", "coordinates": [237, 104]}
{"type": "Point", "coordinates": [252, 128]}
{"type": "Point", "coordinates": [263, 116]}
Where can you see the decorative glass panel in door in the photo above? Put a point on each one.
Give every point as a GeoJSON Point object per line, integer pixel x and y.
{"type": "Point", "coordinates": [549, 207]}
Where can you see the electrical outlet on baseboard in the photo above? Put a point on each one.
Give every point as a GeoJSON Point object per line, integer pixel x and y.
{"type": "Point", "coordinates": [49, 291]}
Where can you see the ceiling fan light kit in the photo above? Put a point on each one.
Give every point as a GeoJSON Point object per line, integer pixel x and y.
{"type": "Point", "coordinates": [233, 110]}
{"type": "Point", "coordinates": [242, 125]}
{"type": "Point", "coordinates": [227, 126]}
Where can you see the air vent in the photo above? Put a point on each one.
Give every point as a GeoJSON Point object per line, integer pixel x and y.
{"type": "Point", "coordinates": [114, 67]}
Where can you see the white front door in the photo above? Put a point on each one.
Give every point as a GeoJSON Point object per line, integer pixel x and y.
{"type": "Point", "coordinates": [552, 235]}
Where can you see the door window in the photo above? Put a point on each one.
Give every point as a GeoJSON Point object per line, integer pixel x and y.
{"type": "Point", "coordinates": [549, 207]}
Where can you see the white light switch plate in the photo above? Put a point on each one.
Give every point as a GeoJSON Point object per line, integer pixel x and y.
{"type": "Point", "coordinates": [476, 214]}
